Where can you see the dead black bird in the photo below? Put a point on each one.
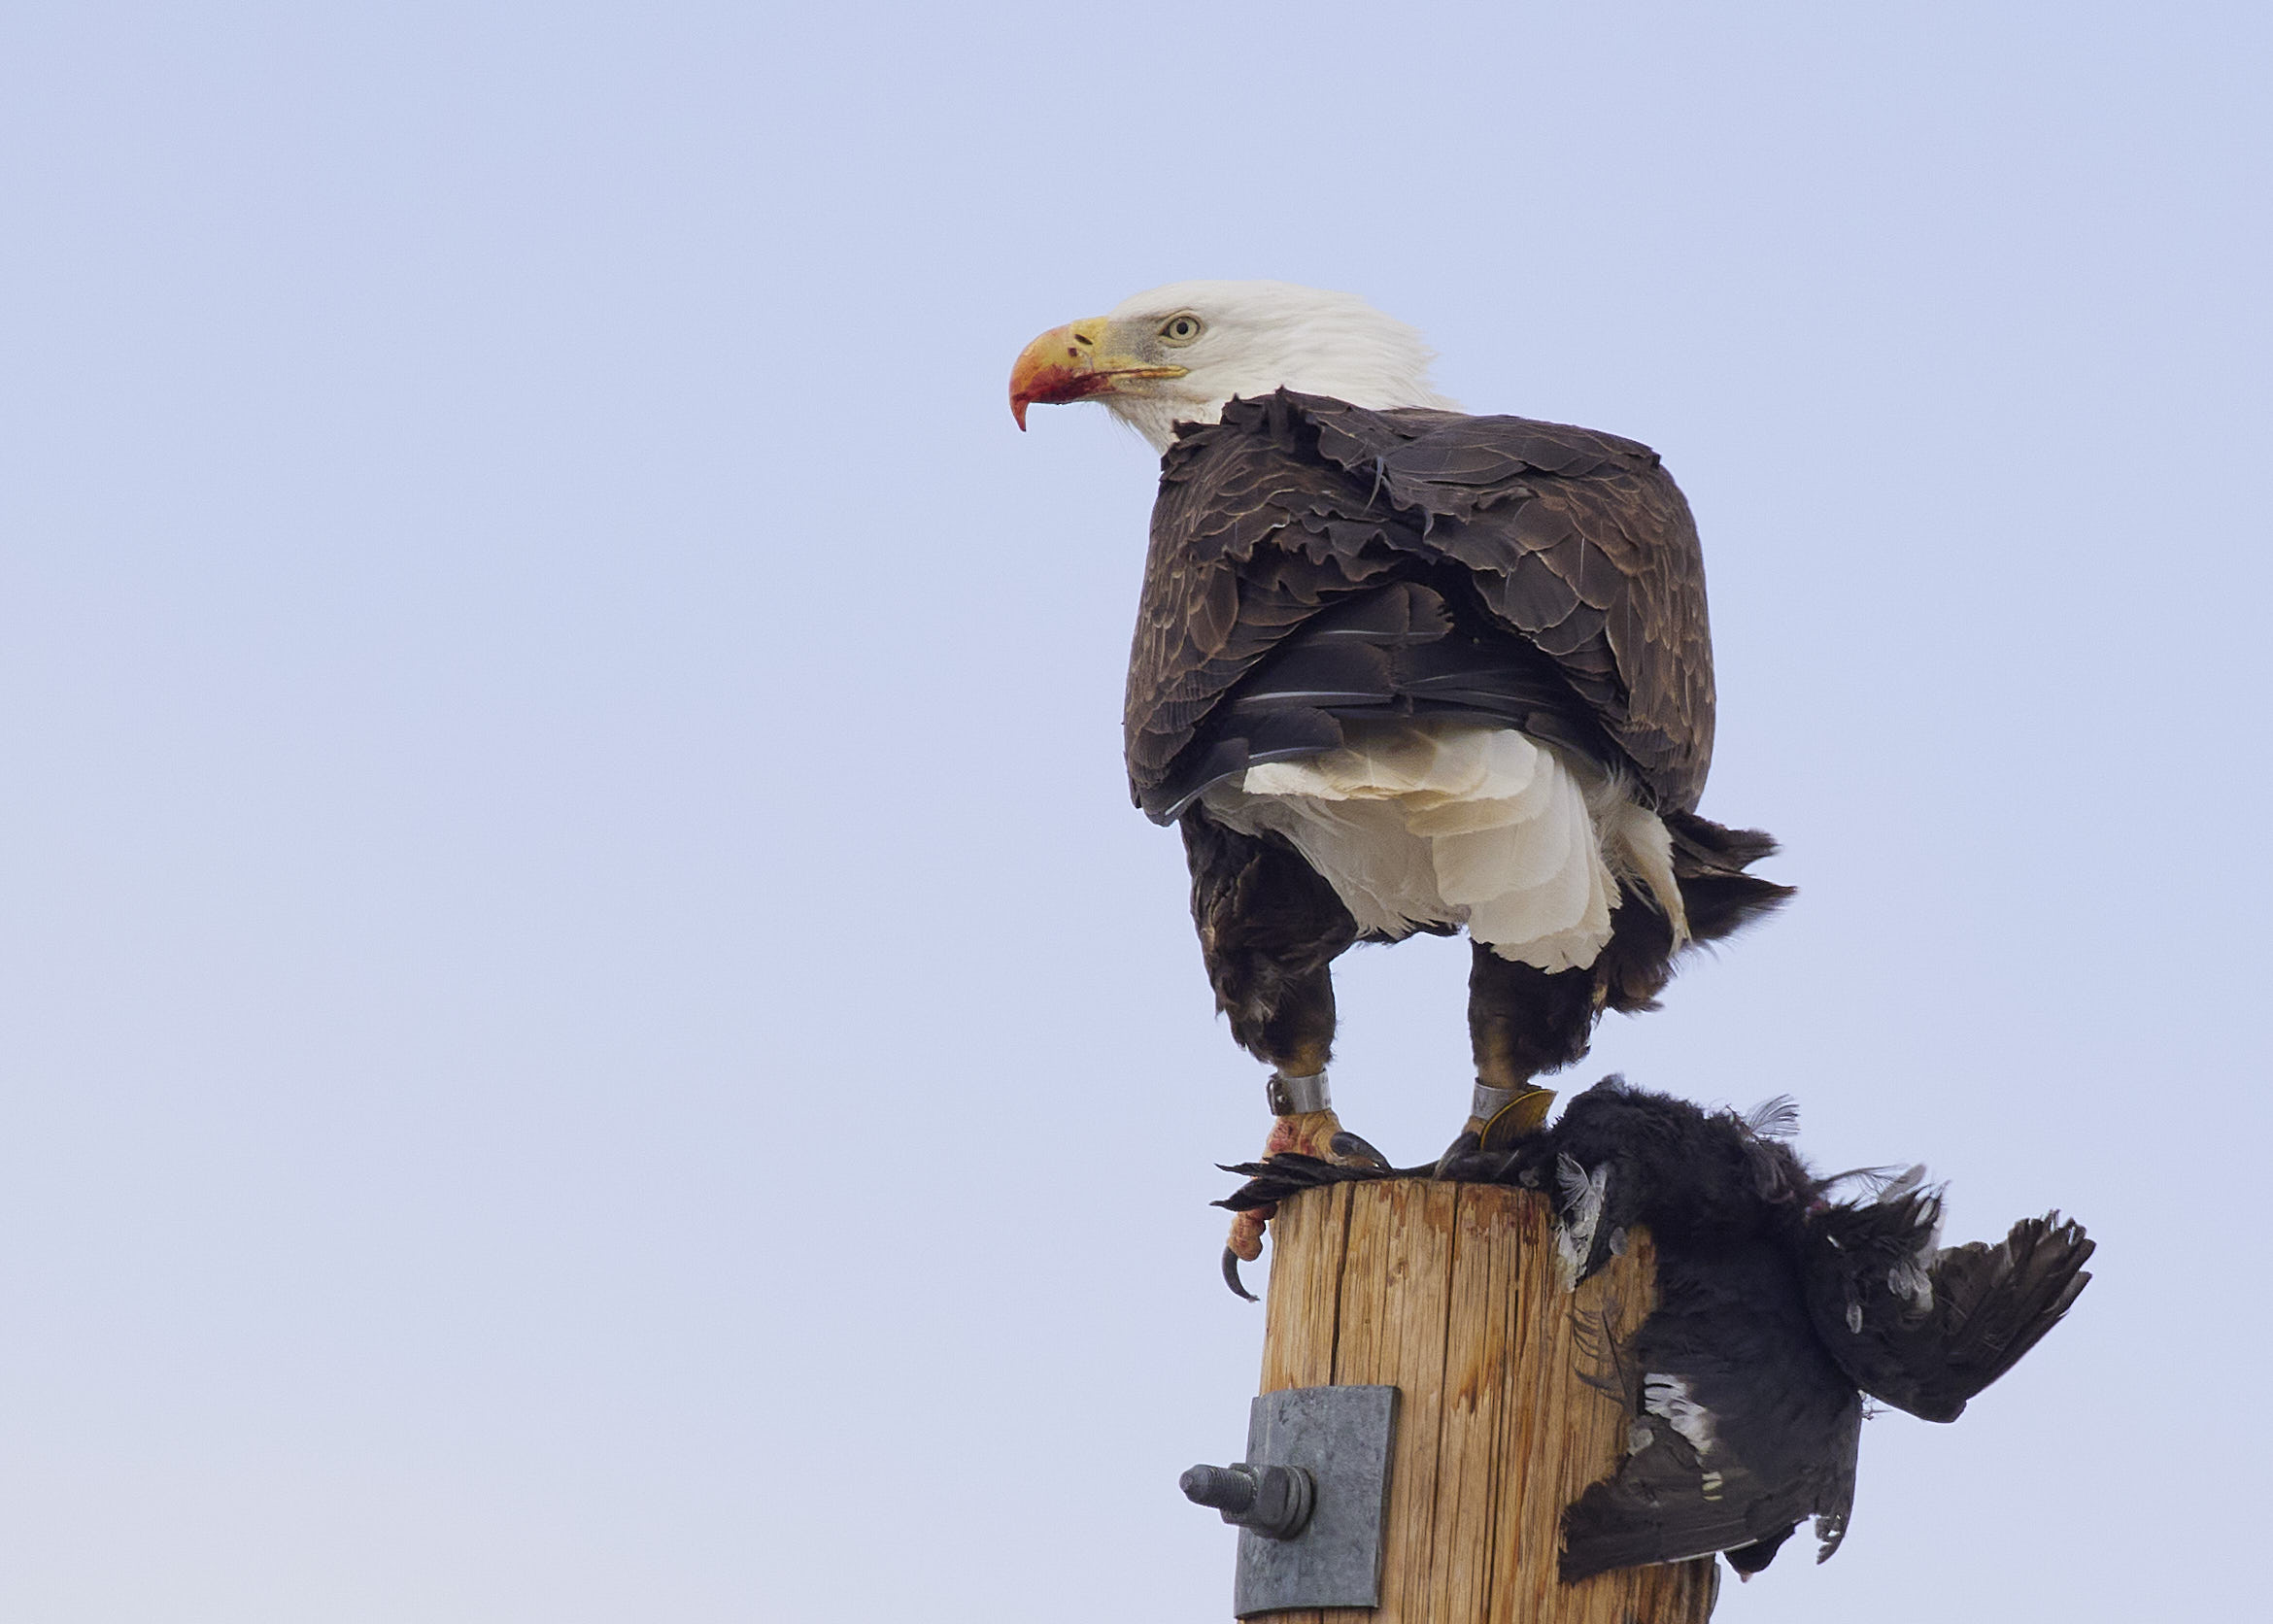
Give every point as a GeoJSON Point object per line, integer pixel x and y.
{"type": "Point", "coordinates": [1743, 1425]}
{"type": "Point", "coordinates": [1778, 1309]}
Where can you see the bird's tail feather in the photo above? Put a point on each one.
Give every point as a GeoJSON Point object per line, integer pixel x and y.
{"type": "Point", "coordinates": [1999, 1301]}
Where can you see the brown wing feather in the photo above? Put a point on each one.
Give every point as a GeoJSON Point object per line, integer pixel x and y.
{"type": "Point", "coordinates": [1577, 542]}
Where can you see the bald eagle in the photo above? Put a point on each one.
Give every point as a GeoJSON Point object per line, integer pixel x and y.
{"type": "Point", "coordinates": [1399, 669]}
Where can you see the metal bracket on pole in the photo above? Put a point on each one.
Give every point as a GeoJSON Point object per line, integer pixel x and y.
{"type": "Point", "coordinates": [1310, 1499]}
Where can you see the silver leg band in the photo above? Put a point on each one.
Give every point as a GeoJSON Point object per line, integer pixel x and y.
{"type": "Point", "coordinates": [1488, 1101]}
{"type": "Point", "coordinates": [1294, 1096]}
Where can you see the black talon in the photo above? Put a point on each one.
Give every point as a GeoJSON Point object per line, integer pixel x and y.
{"type": "Point", "coordinates": [1231, 1276]}
{"type": "Point", "coordinates": [1457, 1154]}
{"type": "Point", "coordinates": [1348, 1147]}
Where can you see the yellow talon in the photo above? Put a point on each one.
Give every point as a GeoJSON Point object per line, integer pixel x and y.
{"type": "Point", "coordinates": [1520, 1116]}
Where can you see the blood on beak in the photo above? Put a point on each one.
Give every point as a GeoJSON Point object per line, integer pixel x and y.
{"type": "Point", "coordinates": [1059, 366]}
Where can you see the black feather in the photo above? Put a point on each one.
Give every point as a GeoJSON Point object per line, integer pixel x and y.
{"type": "Point", "coordinates": [1290, 1173]}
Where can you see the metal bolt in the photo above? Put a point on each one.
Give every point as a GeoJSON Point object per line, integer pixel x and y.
{"type": "Point", "coordinates": [1275, 1500]}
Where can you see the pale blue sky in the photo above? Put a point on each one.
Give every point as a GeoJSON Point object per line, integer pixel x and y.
{"type": "Point", "coordinates": [586, 1032]}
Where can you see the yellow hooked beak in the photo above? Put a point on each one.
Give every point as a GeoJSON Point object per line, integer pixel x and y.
{"type": "Point", "coordinates": [1074, 362]}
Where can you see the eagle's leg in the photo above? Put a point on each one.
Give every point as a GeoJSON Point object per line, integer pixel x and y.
{"type": "Point", "coordinates": [1522, 1022]}
{"type": "Point", "coordinates": [1297, 1037]}
{"type": "Point", "coordinates": [1270, 927]}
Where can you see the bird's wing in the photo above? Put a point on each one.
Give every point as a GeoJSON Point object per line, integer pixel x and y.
{"type": "Point", "coordinates": [1741, 1428]}
{"type": "Point", "coordinates": [1581, 542]}
{"type": "Point", "coordinates": [1251, 536]}
{"type": "Point", "coordinates": [1562, 561]}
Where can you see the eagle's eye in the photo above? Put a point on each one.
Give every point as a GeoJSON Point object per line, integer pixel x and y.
{"type": "Point", "coordinates": [1180, 329]}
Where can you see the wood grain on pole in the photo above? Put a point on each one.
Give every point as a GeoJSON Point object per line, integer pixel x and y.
{"type": "Point", "coordinates": [1449, 1293]}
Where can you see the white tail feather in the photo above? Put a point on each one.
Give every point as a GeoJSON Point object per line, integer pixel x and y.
{"type": "Point", "coordinates": [1441, 822]}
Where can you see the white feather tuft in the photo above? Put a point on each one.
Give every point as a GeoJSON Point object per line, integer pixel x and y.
{"type": "Point", "coordinates": [1669, 1395]}
{"type": "Point", "coordinates": [1640, 845]}
{"type": "Point", "coordinates": [1903, 1182]}
{"type": "Point", "coordinates": [1911, 1277]}
{"type": "Point", "coordinates": [1773, 1119]}
{"type": "Point", "coordinates": [1579, 1214]}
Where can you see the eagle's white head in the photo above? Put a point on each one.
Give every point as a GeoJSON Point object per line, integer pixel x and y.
{"type": "Point", "coordinates": [1176, 355]}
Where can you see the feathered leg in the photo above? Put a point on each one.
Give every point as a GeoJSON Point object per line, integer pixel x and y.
{"type": "Point", "coordinates": [1270, 931]}
{"type": "Point", "coordinates": [1521, 1022]}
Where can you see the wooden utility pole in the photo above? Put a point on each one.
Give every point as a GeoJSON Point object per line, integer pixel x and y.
{"type": "Point", "coordinates": [1449, 1293]}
